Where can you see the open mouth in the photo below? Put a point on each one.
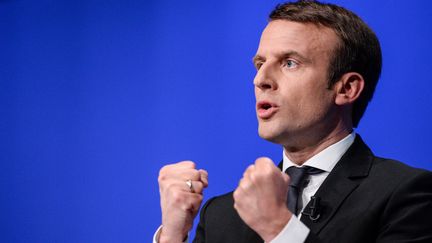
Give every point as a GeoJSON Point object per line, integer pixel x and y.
{"type": "Point", "coordinates": [265, 109]}
{"type": "Point", "coordinates": [266, 106]}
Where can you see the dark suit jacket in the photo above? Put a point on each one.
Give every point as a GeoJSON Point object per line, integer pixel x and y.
{"type": "Point", "coordinates": [364, 199]}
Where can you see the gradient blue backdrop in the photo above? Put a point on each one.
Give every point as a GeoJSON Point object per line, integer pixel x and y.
{"type": "Point", "coordinates": [96, 96]}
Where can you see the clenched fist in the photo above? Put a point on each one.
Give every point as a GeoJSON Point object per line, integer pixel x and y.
{"type": "Point", "coordinates": [180, 201]}
{"type": "Point", "coordinates": [260, 198]}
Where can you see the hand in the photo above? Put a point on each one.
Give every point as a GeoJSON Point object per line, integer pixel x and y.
{"type": "Point", "coordinates": [260, 198]}
{"type": "Point", "coordinates": [179, 203]}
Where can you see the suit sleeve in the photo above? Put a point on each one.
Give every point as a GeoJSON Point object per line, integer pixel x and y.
{"type": "Point", "coordinates": [200, 230]}
{"type": "Point", "coordinates": [408, 214]}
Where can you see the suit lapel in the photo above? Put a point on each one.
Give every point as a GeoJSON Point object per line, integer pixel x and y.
{"type": "Point", "coordinates": [340, 183]}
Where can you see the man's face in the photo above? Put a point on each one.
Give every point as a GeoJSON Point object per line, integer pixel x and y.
{"type": "Point", "coordinates": [294, 103]}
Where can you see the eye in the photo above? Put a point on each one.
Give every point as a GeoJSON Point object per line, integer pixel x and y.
{"type": "Point", "coordinates": [289, 63]}
{"type": "Point", "coordinates": [258, 65]}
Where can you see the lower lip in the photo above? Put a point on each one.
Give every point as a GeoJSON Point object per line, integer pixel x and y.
{"type": "Point", "coordinates": [266, 113]}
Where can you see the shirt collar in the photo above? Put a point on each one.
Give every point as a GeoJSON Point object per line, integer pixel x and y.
{"type": "Point", "coordinates": [326, 159]}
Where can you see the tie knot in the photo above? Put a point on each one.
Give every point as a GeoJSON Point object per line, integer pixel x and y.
{"type": "Point", "coordinates": [298, 174]}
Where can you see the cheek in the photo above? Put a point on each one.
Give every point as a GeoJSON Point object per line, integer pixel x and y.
{"type": "Point", "coordinates": [319, 105]}
{"type": "Point", "coordinates": [307, 102]}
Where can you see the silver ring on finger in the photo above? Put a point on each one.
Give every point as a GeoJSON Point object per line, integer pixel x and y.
{"type": "Point", "coordinates": [189, 184]}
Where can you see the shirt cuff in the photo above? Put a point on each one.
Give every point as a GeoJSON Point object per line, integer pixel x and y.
{"type": "Point", "coordinates": [157, 233]}
{"type": "Point", "coordinates": [294, 232]}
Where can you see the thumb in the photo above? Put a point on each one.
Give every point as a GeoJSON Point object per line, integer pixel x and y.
{"type": "Point", "coordinates": [286, 178]}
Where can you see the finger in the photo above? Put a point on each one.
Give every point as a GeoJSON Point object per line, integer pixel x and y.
{"type": "Point", "coordinates": [245, 184]}
{"type": "Point", "coordinates": [176, 169]}
{"type": "Point", "coordinates": [186, 164]}
{"type": "Point", "coordinates": [188, 174]}
{"type": "Point", "coordinates": [250, 169]}
{"type": "Point", "coordinates": [263, 162]}
{"type": "Point", "coordinates": [204, 177]}
{"type": "Point", "coordinates": [238, 194]}
{"type": "Point", "coordinates": [195, 187]}
{"type": "Point", "coordinates": [240, 182]}
{"type": "Point", "coordinates": [173, 186]}
{"type": "Point", "coordinates": [266, 167]}
{"type": "Point", "coordinates": [181, 174]}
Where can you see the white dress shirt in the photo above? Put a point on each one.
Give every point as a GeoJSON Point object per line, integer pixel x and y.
{"type": "Point", "coordinates": [295, 231]}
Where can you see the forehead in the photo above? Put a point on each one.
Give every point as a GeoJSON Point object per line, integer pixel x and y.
{"type": "Point", "coordinates": [305, 38]}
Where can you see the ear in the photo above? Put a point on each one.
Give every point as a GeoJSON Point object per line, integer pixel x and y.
{"type": "Point", "coordinates": [348, 88]}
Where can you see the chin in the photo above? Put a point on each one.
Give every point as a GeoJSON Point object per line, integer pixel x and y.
{"type": "Point", "coordinates": [269, 135]}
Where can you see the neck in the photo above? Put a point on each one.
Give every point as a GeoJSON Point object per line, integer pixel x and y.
{"type": "Point", "coordinates": [300, 154]}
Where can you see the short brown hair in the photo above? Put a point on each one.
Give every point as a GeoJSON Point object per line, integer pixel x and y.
{"type": "Point", "coordinates": [358, 51]}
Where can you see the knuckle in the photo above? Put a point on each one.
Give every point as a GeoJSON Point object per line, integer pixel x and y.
{"type": "Point", "coordinates": [263, 161]}
{"type": "Point", "coordinates": [166, 170]}
{"type": "Point", "coordinates": [185, 206]}
{"type": "Point", "coordinates": [245, 174]}
{"type": "Point", "coordinates": [250, 168]}
{"type": "Point", "coordinates": [161, 177]}
{"type": "Point", "coordinates": [242, 183]}
{"type": "Point", "coordinates": [177, 197]}
{"type": "Point", "coordinates": [168, 185]}
{"type": "Point", "coordinates": [199, 199]}
{"type": "Point", "coordinates": [164, 185]}
{"type": "Point", "coordinates": [255, 176]}
{"type": "Point", "coordinates": [237, 200]}
{"type": "Point", "coordinates": [267, 172]}
{"type": "Point", "coordinates": [199, 187]}
{"type": "Point", "coordinates": [163, 168]}
{"type": "Point", "coordinates": [203, 172]}
{"type": "Point", "coordinates": [162, 171]}
{"type": "Point", "coordinates": [236, 207]}
{"type": "Point", "coordinates": [259, 160]}
{"type": "Point", "coordinates": [188, 163]}
{"type": "Point", "coordinates": [236, 195]}
{"type": "Point", "coordinates": [195, 175]}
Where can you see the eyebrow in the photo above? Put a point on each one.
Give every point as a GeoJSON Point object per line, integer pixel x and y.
{"type": "Point", "coordinates": [283, 55]}
{"type": "Point", "coordinates": [257, 58]}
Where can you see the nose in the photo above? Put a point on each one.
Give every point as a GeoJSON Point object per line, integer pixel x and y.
{"type": "Point", "coordinates": [265, 79]}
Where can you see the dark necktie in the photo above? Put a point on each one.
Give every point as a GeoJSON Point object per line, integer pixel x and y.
{"type": "Point", "coordinates": [298, 177]}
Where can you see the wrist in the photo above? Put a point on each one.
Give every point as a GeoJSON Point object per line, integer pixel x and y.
{"type": "Point", "coordinates": [169, 237]}
{"type": "Point", "coordinates": [276, 225]}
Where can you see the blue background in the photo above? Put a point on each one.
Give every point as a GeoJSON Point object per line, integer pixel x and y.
{"type": "Point", "coordinates": [96, 96]}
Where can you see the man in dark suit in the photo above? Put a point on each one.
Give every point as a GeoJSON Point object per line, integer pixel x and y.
{"type": "Point", "coordinates": [317, 68]}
